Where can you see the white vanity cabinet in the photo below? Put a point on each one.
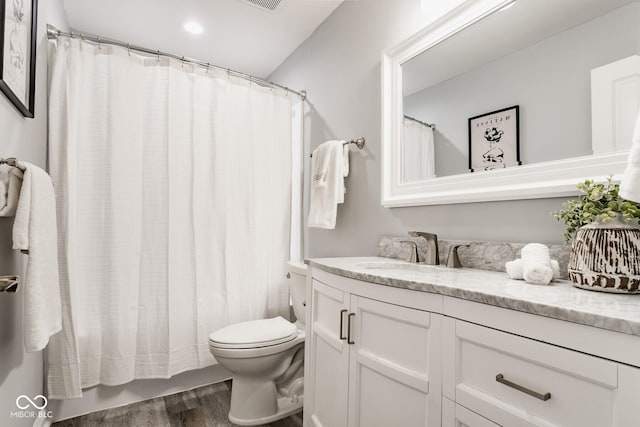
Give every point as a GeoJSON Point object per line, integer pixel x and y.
{"type": "Point", "coordinates": [371, 363]}
{"type": "Point", "coordinates": [379, 355]}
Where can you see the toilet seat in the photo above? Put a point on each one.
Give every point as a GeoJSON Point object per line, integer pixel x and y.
{"type": "Point", "coordinates": [254, 334]}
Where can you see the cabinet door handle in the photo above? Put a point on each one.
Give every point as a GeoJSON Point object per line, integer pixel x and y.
{"type": "Point", "coordinates": [544, 397]}
{"type": "Point", "coordinates": [349, 328]}
{"type": "Point", "coordinates": [342, 312]}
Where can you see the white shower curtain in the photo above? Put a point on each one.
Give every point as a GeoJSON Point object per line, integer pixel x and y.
{"type": "Point", "coordinates": [418, 155]}
{"type": "Point", "coordinates": [173, 187]}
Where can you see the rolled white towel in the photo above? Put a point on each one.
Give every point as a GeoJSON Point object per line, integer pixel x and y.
{"type": "Point", "coordinates": [514, 269]}
{"type": "Point", "coordinates": [555, 266]}
{"type": "Point", "coordinates": [536, 264]}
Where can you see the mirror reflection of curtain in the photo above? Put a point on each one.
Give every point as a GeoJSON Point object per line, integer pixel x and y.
{"type": "Point", "coordinates": [418, 157]}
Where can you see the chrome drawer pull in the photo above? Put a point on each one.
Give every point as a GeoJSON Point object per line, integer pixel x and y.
{"type": "Point", "coordinates": [342, 312]}
{"type": "Point", "coordinates": [544, 397]}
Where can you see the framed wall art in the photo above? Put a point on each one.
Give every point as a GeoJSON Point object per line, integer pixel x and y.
{"type": "Point", "coordinates": [494, 140]}
{"type": "Point", "coordinates": [18, 29]}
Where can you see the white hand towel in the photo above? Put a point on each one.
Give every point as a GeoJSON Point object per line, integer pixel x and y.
{"type": "Point", "coordinates": [536, 264]}
{"type": "Point", "coordinates": [630, 183]}
{"type": "Point", "coordinates": [10, 183]}
{"type": "Point", "coordinates": [320, 160]}
{"type": "Point", "coordinates": [345, 170]}
{"type": "Point", "coordinates": [327, 183]}
{"type": "Point", "coordinates": [35, 230]}
{"type": "Point", "coordinates": [514, 269]}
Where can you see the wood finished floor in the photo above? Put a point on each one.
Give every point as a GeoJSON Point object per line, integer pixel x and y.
{"type": "Point", "coordinates": [206, 406]}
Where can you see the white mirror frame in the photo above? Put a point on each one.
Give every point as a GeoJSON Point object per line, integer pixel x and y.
{"type": "Point", "coordinates": [556, 178]}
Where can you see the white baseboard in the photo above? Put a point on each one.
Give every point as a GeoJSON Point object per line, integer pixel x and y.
{"type": "Point", "coordinates": [100, 398]}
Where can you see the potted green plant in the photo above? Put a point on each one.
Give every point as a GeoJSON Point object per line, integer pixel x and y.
{"type": "Point", "coordinates": [605, 239]}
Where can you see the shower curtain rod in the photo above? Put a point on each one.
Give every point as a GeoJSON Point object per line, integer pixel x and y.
{"type": "Point", "coordinates": [431, 125]}
{"type": "Point", "coordinates": [54, 33]}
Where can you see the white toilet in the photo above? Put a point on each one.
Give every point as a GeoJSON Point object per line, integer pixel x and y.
{"type": "Point", "coordinates": [266, 358]}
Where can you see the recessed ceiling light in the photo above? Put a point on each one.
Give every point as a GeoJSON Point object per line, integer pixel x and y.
{"type": "Point", "coordinates": [193, 27]}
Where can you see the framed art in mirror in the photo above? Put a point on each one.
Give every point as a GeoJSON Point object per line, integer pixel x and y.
{"type": "Point", "coordinates": [18, 29]}
{"type": "Point", "coordinates": [494, 140]}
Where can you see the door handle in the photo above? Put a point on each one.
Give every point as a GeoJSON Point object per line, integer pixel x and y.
{"type": "Point", "coordinates": [349, 328]}
{"type": "Point", "coordinates": [342, 312]}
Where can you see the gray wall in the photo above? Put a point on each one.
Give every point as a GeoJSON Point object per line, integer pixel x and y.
{"type": "Point", "coordinates": [26, 139]}
{"type": "Point", "coordinates": [339, 66]}
{"type": "Point", "coordinates": [552, 87]}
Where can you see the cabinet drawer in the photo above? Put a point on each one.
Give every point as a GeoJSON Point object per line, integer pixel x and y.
{"type": "Point", "coordinates": [581, 388]}
{"type": "Point", "coordinates": [456, 415]}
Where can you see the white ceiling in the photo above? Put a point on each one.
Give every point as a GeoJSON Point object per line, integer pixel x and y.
{"type": "Point", "coordinates": [236, 35]}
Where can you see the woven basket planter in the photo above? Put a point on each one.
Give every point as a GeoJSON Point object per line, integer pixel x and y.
{"type": "Point", "coordinates": [606, 257]}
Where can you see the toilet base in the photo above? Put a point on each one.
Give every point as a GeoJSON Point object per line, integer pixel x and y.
{"type": "Point", "coordinates": [286, 406]}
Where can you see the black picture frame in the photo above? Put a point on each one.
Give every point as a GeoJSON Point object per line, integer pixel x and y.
{"type": "Point", "coordinates": [494, 139]}
{"type": "Point", "coordinates": [18, 67]}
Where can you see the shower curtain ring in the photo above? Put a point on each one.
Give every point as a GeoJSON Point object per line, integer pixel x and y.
{"type": "Point", "coordinates": [129, 49]}
{"type": "Point", "coordinates": [158, 56]}
{"type": "Point", "coordinates": [99, 45]}
{"type": "Point", "coordinates": [208, 66]}
{"type": "Point", "coordinates": [182, 59]}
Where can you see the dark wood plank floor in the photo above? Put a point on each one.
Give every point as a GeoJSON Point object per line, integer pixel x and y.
{"type": "Point", "coordinates": [206, 406]}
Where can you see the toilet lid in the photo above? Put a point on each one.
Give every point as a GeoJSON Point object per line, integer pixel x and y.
{"type": "Point", "coordinates": [255, 333]}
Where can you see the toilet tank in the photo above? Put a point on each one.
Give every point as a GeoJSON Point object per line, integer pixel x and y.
{"type": "Point", "coordinates": [297, 279]}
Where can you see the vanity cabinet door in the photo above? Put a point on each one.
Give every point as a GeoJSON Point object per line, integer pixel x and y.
{"type": "Point", "coordinates": [394, 365]}
{"type": "Point", "coordinates": [326, 388]}
{"type": "Point", "coordinates": [370, 363]}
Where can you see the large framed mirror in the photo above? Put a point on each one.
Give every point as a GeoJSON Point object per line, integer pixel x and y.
{"type": "Point", "coordinates": [504, 100]}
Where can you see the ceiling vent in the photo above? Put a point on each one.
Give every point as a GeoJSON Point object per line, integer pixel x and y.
{"type": "Point", "coordinates": [269, 5]}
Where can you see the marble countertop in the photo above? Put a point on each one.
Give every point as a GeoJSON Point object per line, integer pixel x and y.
{"type": "Point", "coordinates": [559, 300]}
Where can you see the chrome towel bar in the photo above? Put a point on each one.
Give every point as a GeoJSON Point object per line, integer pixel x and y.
{"type": "Point", "coordinates": [11, 161]}
{"type": "Point", "coordinates": [359, 142]}
{"type": "Point", "coordinates": [9, 283]}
